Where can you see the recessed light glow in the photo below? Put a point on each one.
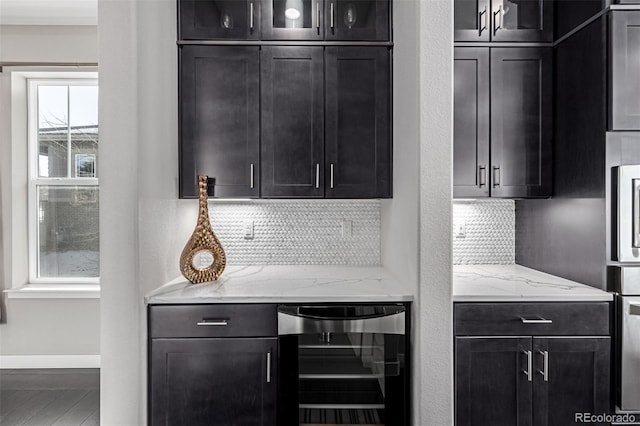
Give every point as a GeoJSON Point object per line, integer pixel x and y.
{"type": "Point", "coordinates": [292, 13]}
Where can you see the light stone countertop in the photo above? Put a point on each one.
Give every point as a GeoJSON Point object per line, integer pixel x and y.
{"type": "Point", "coordinates": [287, 284]}
{"type": "Point", "coordinates": [515, 283]}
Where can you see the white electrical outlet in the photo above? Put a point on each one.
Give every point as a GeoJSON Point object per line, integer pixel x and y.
{"type": "Point", "coordinates": [248, 229]}
{"type": "Point", "coordinates": [460, 228]}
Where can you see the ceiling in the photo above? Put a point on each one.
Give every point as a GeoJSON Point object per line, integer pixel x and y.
{"type": "Point", "coordinates": [48, 12]}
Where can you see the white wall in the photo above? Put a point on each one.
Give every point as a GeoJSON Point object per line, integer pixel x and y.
{"type": "Point", "coordinates": [436, 153]}
{"type": "Point", "coordinates": [35, 326]}
{"type": "Point", "coordinates": [47, 43]}
{"type": "Point", "coordinates": [145, 225]}
{"type": "Point", "coordinates": [416, 239]}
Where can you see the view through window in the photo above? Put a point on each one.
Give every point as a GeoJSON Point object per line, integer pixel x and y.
{"type": "Point", "coordinates": [63, 146]}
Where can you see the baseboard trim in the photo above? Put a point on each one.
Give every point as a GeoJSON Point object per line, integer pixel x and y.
{"type": "Point", "coordinates": [49, 361]}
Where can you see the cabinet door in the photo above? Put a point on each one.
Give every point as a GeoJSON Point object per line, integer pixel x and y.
{"type": "Point", "coordinates": [219, 119]}
{"type": "Point", "coordinates": [574, 379]}
{"type": "Point", "coordinates": [522, 20]}
{"type": "Point", "coordinates": [472, 20]}
{"type": "Point", "coordinates": [222, 382]}
{"type": "Point", "coordinates": [521, 122]}
{"type": "Point", "coordinates": [219, 19]}
{"type": "Point", "coordinates": [471, 122]}
{"type": "Point", "coordinates": [292, 121]}
{"type": "Point", "coordinates": [625, 71]}
{"type": "Point", "coordinates": [491, 384]}
{"type": "Point", "coordinates": [292, 20]}
{"type": "Point", "coordinates": [357, 20]}
{"type": "Point", "coordinates": [358, 122]}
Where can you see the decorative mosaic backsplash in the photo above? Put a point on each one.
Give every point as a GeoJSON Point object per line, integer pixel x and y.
{"type": "Point", "coordinates": [304, 232]}
{"type": "Point", "coordinates": [484, 232]}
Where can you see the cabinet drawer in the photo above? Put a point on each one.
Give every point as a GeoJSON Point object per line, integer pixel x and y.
{"type": "Point", "coordinates": [228, 320]}
{"type": "Point", "coordinates": [532, 319]}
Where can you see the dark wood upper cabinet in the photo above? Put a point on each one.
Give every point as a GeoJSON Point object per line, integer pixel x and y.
{"type": "Point", "coordinates": [357, 20]}
{"type": "Point", "coordinates": [358, 128]}
{"type": "Point", "coordinates": [292, 111]}
{"type": "Point", "coordinates": [491, 387]}
{"type": "Point", "coordinates": [220, 120]}
{"type": "Point", "coordinates": [503, 122]}
{"type": "Point", "coordinates": [625, 69]}
{"type": "Point", "coordinates": [503, 20]}
{"type": "Point", "coordinates": [471, 122]}
{"type": "Point", "coordinates": [219, 19]}
{"type": "Point", "coordinates": [521, 122]}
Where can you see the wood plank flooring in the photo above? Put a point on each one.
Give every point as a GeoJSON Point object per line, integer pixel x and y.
{"type": "Point", "coordinates": [61, 397]}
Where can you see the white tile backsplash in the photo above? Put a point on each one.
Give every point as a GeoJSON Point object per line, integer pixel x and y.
{"type": "Point", "coordinates": [300, 232]}
{"type": "Point", "coordinates": [489, 232]}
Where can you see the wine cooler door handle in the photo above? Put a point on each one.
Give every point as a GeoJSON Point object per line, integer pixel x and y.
{"type": "Point", "coordinates": [293, 324]}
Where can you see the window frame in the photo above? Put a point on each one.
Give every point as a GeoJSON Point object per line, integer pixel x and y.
{"type": "Point", "coordinates": [34, 181]}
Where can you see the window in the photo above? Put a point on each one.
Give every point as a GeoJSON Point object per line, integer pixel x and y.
{"type": "Point", "coordinates": [63, 181]}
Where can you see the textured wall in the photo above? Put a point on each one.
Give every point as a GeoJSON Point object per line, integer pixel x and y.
{"type": "Point", "coordinates": [308, 232]}
{"type": "Point", "coordinates": [489, 232]}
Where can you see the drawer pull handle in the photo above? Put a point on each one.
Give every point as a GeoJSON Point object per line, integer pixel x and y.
{"type": "Point", "coordinates": [537, 320]}
{"type": "Point", "coordinates": [529, 365]}
{"type": "Point", "coordinates": [213, 322]}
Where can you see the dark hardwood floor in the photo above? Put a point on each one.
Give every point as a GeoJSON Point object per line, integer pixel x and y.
{"type": "Point", "coordinates": [61, 397]}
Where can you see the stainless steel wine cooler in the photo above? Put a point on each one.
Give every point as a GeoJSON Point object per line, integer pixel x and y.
{"type": "Point", "coordinates": [343, 365]}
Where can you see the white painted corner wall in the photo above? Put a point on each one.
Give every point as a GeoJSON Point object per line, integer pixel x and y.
{"type": "Point", "coordinates": [37, 333]}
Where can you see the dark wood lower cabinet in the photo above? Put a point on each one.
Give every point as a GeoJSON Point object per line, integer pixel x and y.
{"type": "Point", "coordinates": [491, 388]}
{"type": "Point", "coordinates": [577, 379]}
{"type": "Point", "coordinates": [538, 381]}
{"type": "Point", "coordinates": [213, 381]}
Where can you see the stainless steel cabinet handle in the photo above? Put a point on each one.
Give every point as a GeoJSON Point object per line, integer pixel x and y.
{"type": "Point", "coordinates": [482, 21]}
{"type": "Point", "coordinates": [529, 365]}
{"type": "Point", "coordinates": [268, 367]}
{"type": "Point", "coordinates": [318, 17]}
{"type": "Point", "coordinates": [538, 320]}
{"type": "Point", "coordinates": [331, 176]}
{"type": "Point", "coordinates": [317, 175]}
{"type": "Point", "coordinates": [497, 15]}
{"type": "Point", "coordinates": [251, 17]}
{"type": "Point", "coordinates": [213, 322]}
{"type": "Point", "coordinates": [496, 176]}
{"type": "Point", "coordinates": [545, 365]}
{"type": "Point", "coordinates": [482, 176]}
{"type": "Point", "coordinates": [636, 213]}
{"type": "Point", "coordinates": [331, 15]}
{"type": "Point", "coordinates": [251, 168]}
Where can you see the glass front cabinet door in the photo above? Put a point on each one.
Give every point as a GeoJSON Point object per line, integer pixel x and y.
{"type": "Point", "coordinates": [219, 19]}
{"type": "Point", "coordinates": [357, 20]}
{"type": "Point", "coordinates": [503, 20]}
{"type": "Point", "coordinates": [361, 20]}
